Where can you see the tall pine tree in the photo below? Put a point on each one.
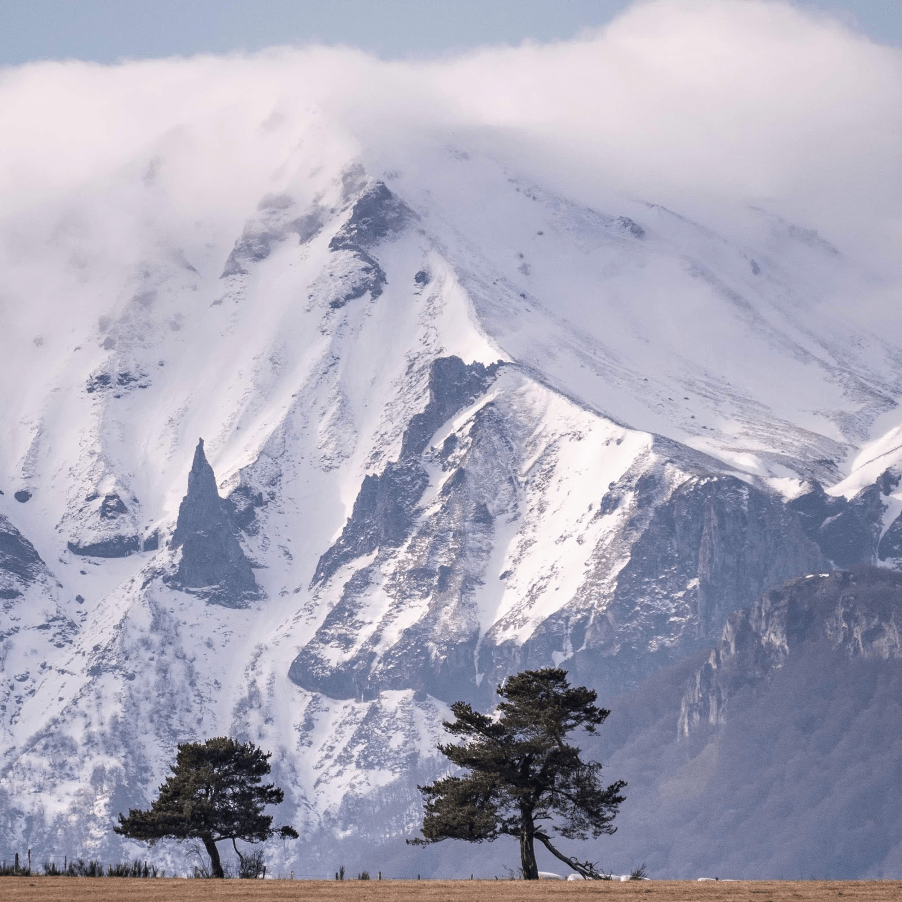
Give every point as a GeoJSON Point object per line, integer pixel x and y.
{"type": "Point", "coordinates": [524, 779]}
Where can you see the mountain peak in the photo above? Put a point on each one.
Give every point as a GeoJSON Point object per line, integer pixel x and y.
{"type": "Point", "coordinates": [212, 562]}
{"type": "Point", "coordinates": [201, 478]}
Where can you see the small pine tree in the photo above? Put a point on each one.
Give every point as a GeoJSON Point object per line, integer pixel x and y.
{"type": "Point", "coordinates": [215, 793]}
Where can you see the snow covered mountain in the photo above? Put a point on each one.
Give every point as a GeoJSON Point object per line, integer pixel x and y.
{"type": "Point", "coordinates": [308, 463]}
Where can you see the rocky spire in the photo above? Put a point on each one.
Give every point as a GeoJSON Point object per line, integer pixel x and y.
{"type": "Point", "coordinates": [213, 563]}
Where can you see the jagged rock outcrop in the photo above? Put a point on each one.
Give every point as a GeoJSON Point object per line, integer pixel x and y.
{"type": "Point", "coordinates": [697, 552]}
{"type": "Point", "coordinates": [714, 545]}
{"type": "Point", "coordinates": [385, 507]}
{"type": "Point", "coordinates": [276, 220]}
{"type": "Point", "coordinates": [890, 547]}
{"type": "Point", "coordinates": [384, 516]}
{"type": "Point", "coordinates": [376, 215]}
{"type": "Point", "coordinates": [855, 614]}
{"type": "Point", "coordinates": [107, 527]}
{"type": "Point", "coordinates": [20, 564]}
{"type": "Point", "coordinates": [846, 530]}
{"type": "Point", "coordinates": [668, 554]}
{"type": "Point", "coordinates": [212, 562]}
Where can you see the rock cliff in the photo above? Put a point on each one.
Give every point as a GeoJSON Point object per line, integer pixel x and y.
{"type": "Point", "coordinates": [212, 562]}
{"type": "Point", "coordinates": [852, 614]}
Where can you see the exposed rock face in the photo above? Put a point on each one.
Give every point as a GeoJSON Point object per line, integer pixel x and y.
{"type": "Point", "coordinates": [243, 504]}
{"type": "Point", "coordinates": [116, 383]}
{"type": "Point", "coordinates": [698, 552]}
{"type": "Point", "coordinates": [847, 531]}
{"type": "Point", "coordinates": [385, 508]}
{"type": "Point", "coordinates": [384, 516]}
{"type": "Point", "coordinates": [106, 526]}
{"type": "Point", "coordinates": [627, 224]}
{"type": "Point", "coordinates": [118, 546]}
{"type": "Point", "coordinates": [276, 220]}
{"type": "Point", "coordinates": [857, 614]}
{"type": "Point", "coordinates": [728, 539]}
{"type": "Point", "coordinates": [890, 547]}
{"type": "Point", "coordinates": [20, 564]}
{"type": "Point", "coordinates": [669, 554]}
{"type": "Point", "coordinates": [212, 562]}
{"type": "Point", "coordinates": [376, 215]}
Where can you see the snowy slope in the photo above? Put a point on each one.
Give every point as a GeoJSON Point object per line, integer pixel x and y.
{"type": "Point", "coordinates": [462, 426]}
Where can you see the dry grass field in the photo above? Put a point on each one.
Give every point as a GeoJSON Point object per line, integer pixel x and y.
{"type": "Point", "coordinates": [113, 889]}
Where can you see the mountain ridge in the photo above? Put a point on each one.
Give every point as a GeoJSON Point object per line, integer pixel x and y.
{"type": "Point", "coordinates": [406, 390]}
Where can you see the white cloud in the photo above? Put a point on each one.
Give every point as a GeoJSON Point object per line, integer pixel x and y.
{"type": "Point", "coordinates": [686, 101]}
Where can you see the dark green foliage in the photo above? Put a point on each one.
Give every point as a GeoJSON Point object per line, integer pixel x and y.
{"type": "Point", "coordinates": [523, 779]}
{"type": "Point", "coordinates": [639, 873]}
{"type": "Point", "coordinates": [215, 792]}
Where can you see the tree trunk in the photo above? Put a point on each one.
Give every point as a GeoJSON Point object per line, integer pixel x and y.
{"type": "Point", "coordinates": [213, 852]}
{"type": "Point", "coordinates": [586, 868]}
{"type": "Point", "coordinates": [527, 850]}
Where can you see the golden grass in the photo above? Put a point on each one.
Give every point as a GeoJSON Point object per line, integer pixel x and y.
{"type": "Point", "coordinates": [114, 889]}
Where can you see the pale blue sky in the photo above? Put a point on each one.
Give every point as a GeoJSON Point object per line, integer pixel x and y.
{"type": "Point", "coordinates": [107, 30]}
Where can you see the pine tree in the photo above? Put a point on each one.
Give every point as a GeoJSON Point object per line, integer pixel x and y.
{"type": "Point", "coordinates": [215, 793]}
{"type": "Point", "coordinates": [524, 779]}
